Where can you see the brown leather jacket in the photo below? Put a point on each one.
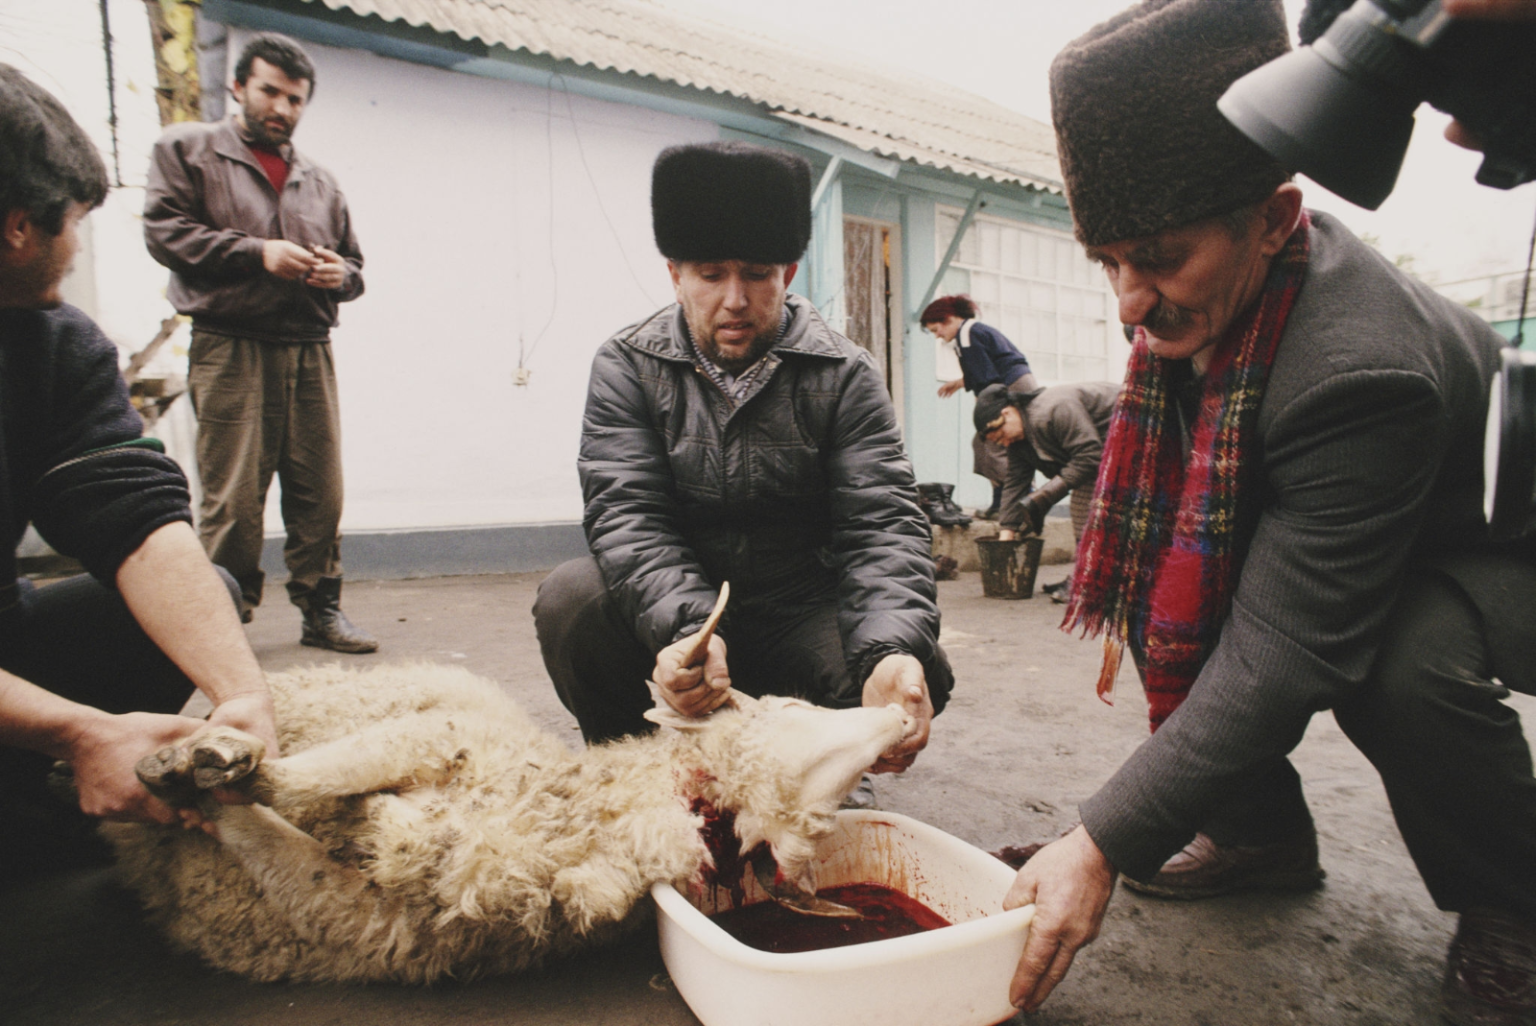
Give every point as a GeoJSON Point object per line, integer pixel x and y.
{"type": "Point", "coordinates": [209, 207]}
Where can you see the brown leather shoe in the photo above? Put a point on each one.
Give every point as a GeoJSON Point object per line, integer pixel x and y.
{"type": "Point", "coordinates": [1490, 974]}
{"type": "Point", "coordinates": [1205, 869]}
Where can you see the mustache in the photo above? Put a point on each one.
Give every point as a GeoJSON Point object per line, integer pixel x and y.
{"type": "Point", "coordinates": [1165, 317]}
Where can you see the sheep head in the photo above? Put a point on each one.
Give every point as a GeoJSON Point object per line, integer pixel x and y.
{"type": "Point", "coordinates": [782, 765]}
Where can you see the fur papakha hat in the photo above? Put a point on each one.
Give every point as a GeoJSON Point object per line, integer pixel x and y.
{"type": "Point", "coordinates": [731, 201]}
{"type": "Point", "coordinates": [1142, 146]}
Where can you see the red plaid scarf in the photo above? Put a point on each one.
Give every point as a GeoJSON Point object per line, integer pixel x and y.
{"type": "Point", "coordinates": [1156, 564]}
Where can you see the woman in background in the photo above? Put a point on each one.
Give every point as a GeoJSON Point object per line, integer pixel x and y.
{"type": "Point", "coordinates": [986, 358]}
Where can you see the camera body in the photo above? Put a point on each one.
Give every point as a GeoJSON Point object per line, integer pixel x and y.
{"type": "Point", "coordinates": [1341, 109]}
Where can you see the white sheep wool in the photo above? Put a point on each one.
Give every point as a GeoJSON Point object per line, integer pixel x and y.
{"type": "Point", "coordinates": [419, 825]}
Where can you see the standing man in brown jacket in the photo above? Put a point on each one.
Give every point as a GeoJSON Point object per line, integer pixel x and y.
{"type": "Point", "coordinates": [261, 252]}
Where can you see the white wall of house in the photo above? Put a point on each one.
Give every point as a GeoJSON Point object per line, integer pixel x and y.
{"type": "Point", "coordinates": [502, 225]}
{"type": "Point", "coordinates": [495, 219]}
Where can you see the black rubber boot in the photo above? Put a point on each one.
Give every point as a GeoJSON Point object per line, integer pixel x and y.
{"type": "Point", "coordinates": [935, 500]}
{"type": "Point", "coordinates": [326, 626]}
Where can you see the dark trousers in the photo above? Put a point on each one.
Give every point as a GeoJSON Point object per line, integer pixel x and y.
{"type": "Point", "coordinates": [599, 667]}
{"type": "Point", "coordinates": [1452, 755]}
{"type": "Point", "coordinates": [75, 638]}
{"type": "Point", "coordinates": [1266, 807]}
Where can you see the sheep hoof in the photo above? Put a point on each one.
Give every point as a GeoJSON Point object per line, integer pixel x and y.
{"type": "Point", "coordinates": [218, 757]}
{"type": "Point", "coordinates": [221, 758]}
{"type": "Point", "coordinates": [166, 774]}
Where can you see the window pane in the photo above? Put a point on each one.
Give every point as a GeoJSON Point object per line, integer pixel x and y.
{"type": "Point", "coordinates": [1011, 323]}
{"type": "Point", "coordinates": [1066, 258]}
{"type": "Point", "coordinates": [1010, 243]}
{"type": "Point", "coordinates": [1048, 333]}
{"type": "Point", "coordinates": [970, 252]}
{"type": "Point", "coordinates": [991, 245]}
{"type": "Point", "coordinates": [1042, 297]}
{"type": "Point", "coordinates": [1015, 292]}
{"type": "Point", "coordinates": [1029, 261]}
{"type": "Point", "coordinates": [956, 279]}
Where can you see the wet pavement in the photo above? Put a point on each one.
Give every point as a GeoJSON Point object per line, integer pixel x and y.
{"type": "Point", "coordinates": [1024, 740]}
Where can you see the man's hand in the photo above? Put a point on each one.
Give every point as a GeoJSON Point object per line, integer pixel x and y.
{"type": "Point", "coordinates": [330, 272]}
{"type": "Point", "coordinates": [287, 260]}
{"type": "Point", "coordinates": [1483, 10]}
{"type": "Point", "coordinates": [899, 679]}
{"type": "Point", "coordinates": [693, 690]}
{"type": "Point", "coordinates": [949, 388]}
{"type": "Point", "coordinates": [103, 754]}
{"type": "Point", "coordinates": [253, 714]}
{"type": "Point", "coordinates": [1006, 534]}
{"type": "Point", "coordinates": [1069, 882]}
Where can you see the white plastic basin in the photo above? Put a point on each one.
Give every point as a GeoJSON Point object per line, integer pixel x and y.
{"type": "Point", "coordinates": [955, 976]}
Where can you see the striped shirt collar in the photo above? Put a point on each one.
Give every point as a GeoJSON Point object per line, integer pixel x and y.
{"type": "Point", "coordinates": [734, 386]}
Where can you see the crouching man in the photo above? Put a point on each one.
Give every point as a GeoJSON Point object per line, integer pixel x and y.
{"type": "Point", "coordinates": [734, 437]}
{"type": "Point", "coordinates": [93, 669]}
{"type": "Point", "coordinates": [1058, 431]}
{"type": "Point", "coordinates": [1288, 519]}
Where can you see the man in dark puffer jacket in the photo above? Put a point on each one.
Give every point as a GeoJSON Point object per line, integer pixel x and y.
{"type": "Point", "coordinates": [734, 437]}
{"type": "Point", "coordinates": [93, 669]}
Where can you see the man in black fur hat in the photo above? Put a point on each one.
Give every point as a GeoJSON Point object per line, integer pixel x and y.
{"type": "Point", "coordinates": [1288, 519]}
{"type": "Point", "coordinates": [734, 437]}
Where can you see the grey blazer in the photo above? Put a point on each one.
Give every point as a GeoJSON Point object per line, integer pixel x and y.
{"type": "Point", "coordinates": [1371, 432]}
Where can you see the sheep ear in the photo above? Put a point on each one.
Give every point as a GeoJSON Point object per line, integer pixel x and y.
{"type": "Point", "coordinates": [664, 715]}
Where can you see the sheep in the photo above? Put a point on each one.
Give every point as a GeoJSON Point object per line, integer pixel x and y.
{"type": "Point", "coordinates": [420, 826]}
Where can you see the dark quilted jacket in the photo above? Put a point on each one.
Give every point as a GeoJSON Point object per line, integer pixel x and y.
{"type": "Point", "coordinates": [800, 495]}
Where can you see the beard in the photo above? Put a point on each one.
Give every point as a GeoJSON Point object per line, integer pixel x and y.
{"type": "Point", "coordinates": [261, 133]}
{"type": "Point", "coordinates": [734, 365]}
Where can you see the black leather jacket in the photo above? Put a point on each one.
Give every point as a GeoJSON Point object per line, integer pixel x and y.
{"type": "Point", "coordinates": [799, 495]}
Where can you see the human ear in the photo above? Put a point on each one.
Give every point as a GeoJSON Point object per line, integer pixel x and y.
{"type": "Point", "coordinates": [15, 228]}
{"type": "Point", "coordinates": [1281, 212]}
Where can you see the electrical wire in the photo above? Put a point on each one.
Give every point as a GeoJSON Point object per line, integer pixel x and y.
{"type": "Point", "coordinates": [597, 194]}
{"type": "Point", "coordinates": [554, 264]}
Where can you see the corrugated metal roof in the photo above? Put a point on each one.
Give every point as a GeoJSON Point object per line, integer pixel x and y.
{"type": "Point", "coordinates": [908, 117]}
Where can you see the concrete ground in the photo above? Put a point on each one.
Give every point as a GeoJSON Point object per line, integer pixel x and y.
{"type": "Point", "coordinates": [1023, 741]}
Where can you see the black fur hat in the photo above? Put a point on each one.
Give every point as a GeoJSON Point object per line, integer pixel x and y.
{"type": "Point", "coordinates": [731, 201]}
{"type": "Point", "coordinates": [1142, 146]}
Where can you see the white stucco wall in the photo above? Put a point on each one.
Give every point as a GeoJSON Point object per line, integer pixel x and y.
{"type": "Point", "coordinates": [487, 211]}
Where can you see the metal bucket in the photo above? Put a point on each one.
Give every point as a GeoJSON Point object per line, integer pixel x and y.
{"type": "Point", "coordinates": [1008, 567]}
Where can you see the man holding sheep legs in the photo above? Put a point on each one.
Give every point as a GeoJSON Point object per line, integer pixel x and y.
{"type": "Point", "coordinates": [1288, 519]}
{"type": "Point", "coordinates": [734, 437]}
{"type": "Point", "coordinates": [93, 669]}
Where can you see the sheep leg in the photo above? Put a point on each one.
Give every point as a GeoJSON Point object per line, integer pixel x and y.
{"type": "Point", "coordinates": [295, 874]}
{"type": "Point", "coordinates": [422, 750]}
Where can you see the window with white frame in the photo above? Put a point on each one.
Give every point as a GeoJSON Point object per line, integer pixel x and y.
{"type": "Point", "coordinates": [1035, 286]}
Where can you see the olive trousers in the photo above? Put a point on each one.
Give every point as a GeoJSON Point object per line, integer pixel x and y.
{"type": "Point", "coordinates": [265, 408]}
